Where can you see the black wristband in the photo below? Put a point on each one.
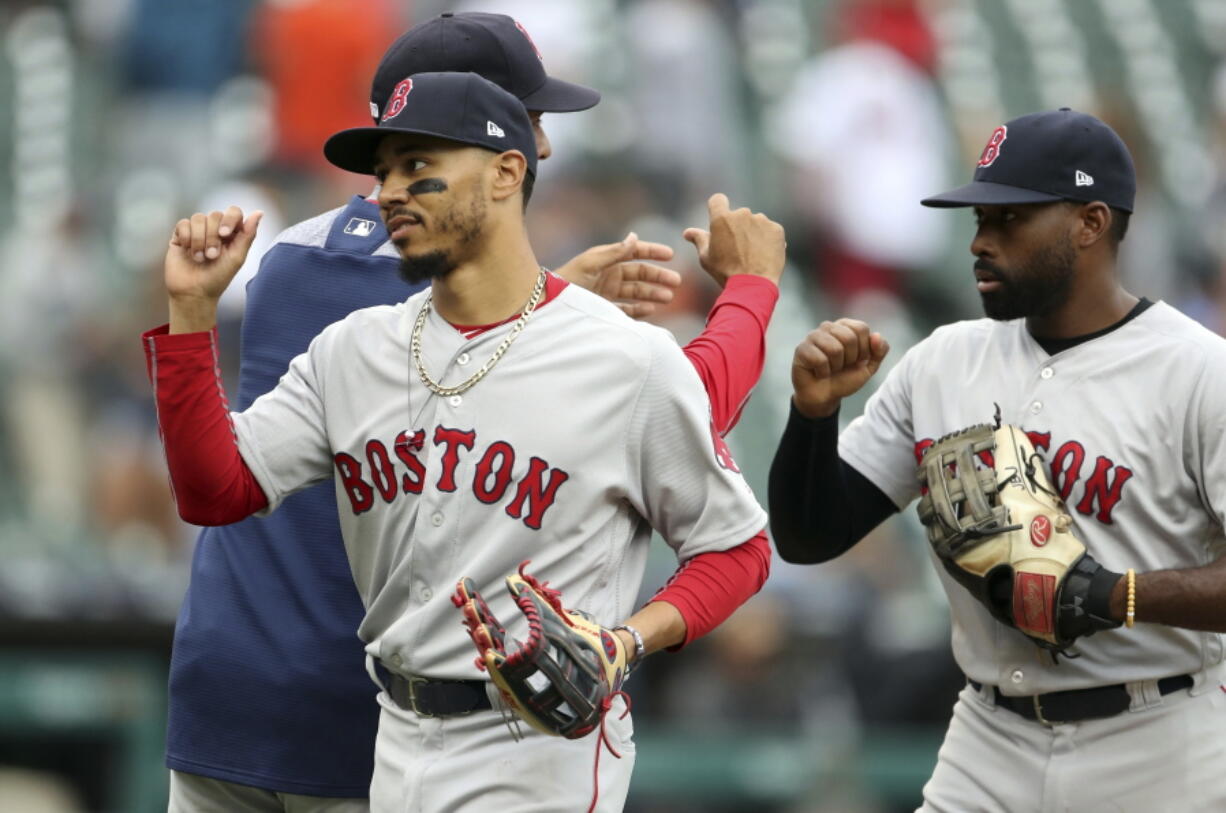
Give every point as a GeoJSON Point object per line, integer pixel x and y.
{"type": "Point", "coordinates": [1085, 600]}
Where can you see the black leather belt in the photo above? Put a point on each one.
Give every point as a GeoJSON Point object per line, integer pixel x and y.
{"type": "Point", "coordinates": [1079, 704]}
{"type": "Point", "coordinates": [437, 698]}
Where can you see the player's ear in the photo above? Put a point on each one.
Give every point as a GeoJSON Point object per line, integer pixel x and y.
{"type": "Point", "coordinates": [1092, 223]}
{"type": "Point", "coordinates": [508, 171]}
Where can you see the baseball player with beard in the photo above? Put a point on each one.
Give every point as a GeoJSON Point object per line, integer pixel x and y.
{"type": "Point", "coordinates": [502, 415]}
{"type": "Point", "coordinates": [1123, 400]}
{"type": "Point", "coordinates": [264, 590]}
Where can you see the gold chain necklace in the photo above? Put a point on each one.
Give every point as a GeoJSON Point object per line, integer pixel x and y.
{"type": "Point", "coordinates": [516, 329]}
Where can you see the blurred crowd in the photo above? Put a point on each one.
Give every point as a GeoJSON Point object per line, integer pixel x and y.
{"type": "Point", "coordinates": [833, 116]}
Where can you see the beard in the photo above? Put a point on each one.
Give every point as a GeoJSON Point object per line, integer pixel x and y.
{"type": "Point", "coordinates": [426, 267]}
{"type": "Point", "coordinates": [1036, 288]}
{"type": "Point", "coordinates": [466, 228]}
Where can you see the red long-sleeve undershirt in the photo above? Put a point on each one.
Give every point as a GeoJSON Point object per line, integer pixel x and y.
{"type": "Point", "coordinates": [731, 350]}
{"type": "Point", "coordinates": [708, 588]}
{"type": "Point", "coordinates": [213, 485]}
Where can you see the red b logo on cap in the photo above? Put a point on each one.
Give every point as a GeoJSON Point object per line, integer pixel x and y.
{"type": "Point", "coordinates": [528, 37]}
{"type": "Point", "coordinates": [992, 151]}
{"type": "Point", "coordinates": [396, 103]}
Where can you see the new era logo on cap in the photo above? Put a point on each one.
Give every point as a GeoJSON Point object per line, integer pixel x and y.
{"type": "Point", "coordinates": [1046, 157]}
{"type": "Point", "coordinates": [461, 107]}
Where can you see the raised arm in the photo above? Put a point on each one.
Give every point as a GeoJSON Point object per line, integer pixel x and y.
{"type": "Point", "coordinates": [745, 253]}
{"type": "Point", "coordinates": [205, 253]}
{"type": "Point", "coordinates": [211, 483]}
{"type": "Point", "coordinates": [819, 505]}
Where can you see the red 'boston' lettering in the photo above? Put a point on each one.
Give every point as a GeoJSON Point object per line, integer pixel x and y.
{"type": "Point", "coordinates": [381, 470]}
{"type": "Point", "coordinates": [1066, 467]}
{"type": "Point", "coordinates": [538, 494]}
{"type": "Point", "coordinates": [407, 446]}
{"type": "Point", "coordinates": [921, 448]}
{"type": "Point", "coordinates": [1107, 494]}
{"type": "Point", "coordinates": [504, 454]}
{"type": "Point", "coordinates": [453, 439]}
{"type": "Point", "coordinates": [361, 495]}
{"type": "Point", "coordinates": [1040, 440]}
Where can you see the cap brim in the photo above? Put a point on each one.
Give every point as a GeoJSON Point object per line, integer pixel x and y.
{"type": "Point", "coordinates": [354, 150]}
{"type": "Point", "coordinates": [986, 193]}
{"type": "Point", "coordinates": [557, 96]}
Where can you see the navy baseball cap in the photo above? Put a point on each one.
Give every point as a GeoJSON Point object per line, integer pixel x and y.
{"type": "Point", "coordinates": [1046, 157]}
{"type": "Point", "coordinates": [493, 45]}
{"type": "Point", "coordinates": [461, 107]}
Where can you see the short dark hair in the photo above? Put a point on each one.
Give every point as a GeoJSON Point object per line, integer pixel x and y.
{"type": "Point", "coordinates": [529, 183]}
{"type": "Point", "coordinates": [1119, 222]}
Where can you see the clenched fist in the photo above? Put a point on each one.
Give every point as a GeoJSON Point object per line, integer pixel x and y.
{"type": "Point", "coordinates": [738, 242]}
{"type": "Point", "coordinates": [205, 253]}
{"type": "Point", "coordinates": [833, 362]}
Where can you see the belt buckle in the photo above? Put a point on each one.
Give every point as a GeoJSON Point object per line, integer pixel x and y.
{"type": "Point", "coordinates": [1038, 711]}
{"type": "Point", "coordinates": [414, 682]}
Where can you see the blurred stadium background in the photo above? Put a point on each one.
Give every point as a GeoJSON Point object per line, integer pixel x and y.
{"type": "Point", "coordinates": [831, 689]}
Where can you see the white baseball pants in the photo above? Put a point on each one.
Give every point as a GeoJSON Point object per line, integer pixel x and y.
{"type": "Point", "coordinates": [1167, 757]}
{"type": "Point", "coordinates": [471, 764]}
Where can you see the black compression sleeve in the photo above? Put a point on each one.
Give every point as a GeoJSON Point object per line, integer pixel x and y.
{"type": "Point", "coordinates": [819, 505]}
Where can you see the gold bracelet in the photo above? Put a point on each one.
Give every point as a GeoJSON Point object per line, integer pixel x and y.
{"type": "Point", "coordinates": [1130, 616]}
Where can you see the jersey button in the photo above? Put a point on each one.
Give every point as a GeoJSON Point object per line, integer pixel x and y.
{"type": "Point", "coordinates": [462, 358]}
{"type": "Point", "coordinates": [1047, 372]}
{"type": "Point", "coordinates": [426, 594]}
{"type": "Point", "coordinates": [455, 400]}
{"type": "Point", "coordinates": [1017, 676]}
{"type": "Point", "coordinates": [396, 661]}
{"type": "Point", "coordinates": [436, 519]}
{"type": "Point", "coordinates": [1036, 407]}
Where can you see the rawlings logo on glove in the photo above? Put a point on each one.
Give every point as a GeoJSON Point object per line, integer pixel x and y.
{"type": "Point", "coordinates": [1004, 534]}
{"type": "Point", "coordinates": [582, 663]}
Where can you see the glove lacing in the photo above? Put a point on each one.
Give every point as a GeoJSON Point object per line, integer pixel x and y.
{"type": "Point", "coordinates": [554, 597]}
{"type": "Point", "coordinates": [603, 739]}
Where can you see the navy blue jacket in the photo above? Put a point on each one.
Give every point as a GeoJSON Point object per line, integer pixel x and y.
{"type": "Point", "coordinates": [268, 685]}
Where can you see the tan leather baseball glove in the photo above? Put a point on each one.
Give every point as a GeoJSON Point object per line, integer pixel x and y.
{"type": "Point", "coordinates": [1000, 529]}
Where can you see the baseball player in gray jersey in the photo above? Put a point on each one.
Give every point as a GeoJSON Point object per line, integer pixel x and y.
{"type": "Point", "coordinates": [499, 416]}
{"type": "Point", "coordinates": [1123, 400]}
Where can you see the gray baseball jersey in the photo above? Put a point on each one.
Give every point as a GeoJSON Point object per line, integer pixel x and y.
{"type": "Point", "coordinates": [590, 431]}
{"type": "Point", "coordinates": [1131, 427]}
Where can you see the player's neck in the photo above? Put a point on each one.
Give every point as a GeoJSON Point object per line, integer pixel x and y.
{"type": "Point", "coordinates": [492, 285]}
{"type": "Point", "coordinates": [1092, 306]}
